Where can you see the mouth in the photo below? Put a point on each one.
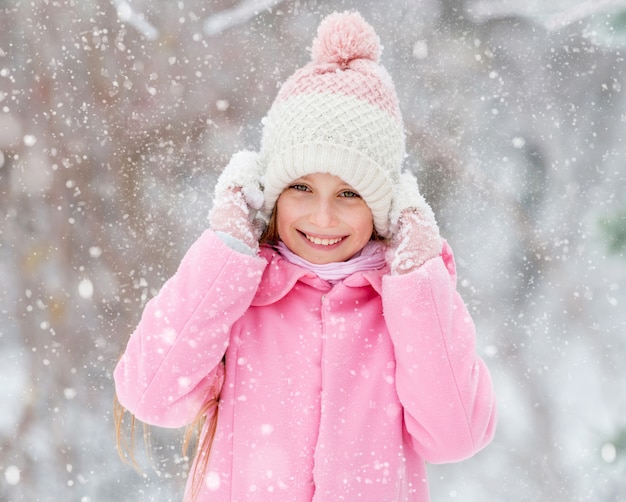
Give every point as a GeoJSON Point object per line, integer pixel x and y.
{"type": "Point", "coordinates": [323, 241]}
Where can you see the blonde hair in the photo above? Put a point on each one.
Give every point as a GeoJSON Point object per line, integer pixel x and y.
{"type": "Point", "coordinates": [203, 428]}
{"type": "Point", "coordinates": [270, 232]}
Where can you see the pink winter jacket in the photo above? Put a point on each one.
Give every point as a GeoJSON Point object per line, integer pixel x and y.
{"type": "Point", "coordinates": [329, 393]}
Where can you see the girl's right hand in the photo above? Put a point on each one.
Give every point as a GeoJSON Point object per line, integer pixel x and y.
{"type": "Point", "coordinates": [231, 215]}
{"type": "Point", "coordinates": [238, 197]}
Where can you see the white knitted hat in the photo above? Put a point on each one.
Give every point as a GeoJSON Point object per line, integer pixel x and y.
{"type": "Point", "coordinates": [339, 114]}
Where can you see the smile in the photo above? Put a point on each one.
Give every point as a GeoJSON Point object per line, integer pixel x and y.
{"type": "Point", "coordinates": [323, 241]}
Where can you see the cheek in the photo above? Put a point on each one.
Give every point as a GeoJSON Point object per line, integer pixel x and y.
{"type": "Point", "coordinates": [368, 232]}
{"type": "Point", "coordinates": [363, 222]}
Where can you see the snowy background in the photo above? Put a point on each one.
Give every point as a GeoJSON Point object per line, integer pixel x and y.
{"type": "Point", "coordinates": [115, 117]}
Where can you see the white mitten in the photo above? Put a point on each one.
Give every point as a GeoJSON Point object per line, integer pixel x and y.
{"type": "Point", "coordinates": [238, 197]}
{"type": "Point", "coordinates": [415, 234]}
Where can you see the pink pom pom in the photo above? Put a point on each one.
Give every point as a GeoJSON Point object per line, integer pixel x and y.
{"type": "Point", "coordinates": [344, 36]}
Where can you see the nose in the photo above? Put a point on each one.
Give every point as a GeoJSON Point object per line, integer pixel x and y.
{"type": "Point", "coordinates": [323, 214]}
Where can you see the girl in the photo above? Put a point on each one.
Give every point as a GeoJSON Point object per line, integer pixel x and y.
{"type": "Point", "coordinates": [328, 350]}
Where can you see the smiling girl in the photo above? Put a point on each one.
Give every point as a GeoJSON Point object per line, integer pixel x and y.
{"type": "Point", "coordinates": [315, 329]}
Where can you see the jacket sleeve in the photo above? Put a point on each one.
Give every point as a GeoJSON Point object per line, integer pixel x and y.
{"type": "Point", "coordinates": [444, 387]}
{"type": "Point", "coordinates": [172, 363]}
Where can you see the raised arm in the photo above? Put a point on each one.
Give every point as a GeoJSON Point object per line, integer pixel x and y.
{"type": "Point", "coordinates": [445, 388]}
{"type": "Point", "coordinates": [171, 366]}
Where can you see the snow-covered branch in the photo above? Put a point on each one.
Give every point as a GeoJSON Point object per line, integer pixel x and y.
{"type": "Point", "coordinates": [581, 11]}
{"type": "Point", "coordinates": [239, 14]}
{"type": "Point", "coordinates": [126, 14]}
{"type": "Point", "coordinates": [553, 17]}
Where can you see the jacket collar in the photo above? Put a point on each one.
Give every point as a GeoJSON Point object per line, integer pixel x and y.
{"type": "Point", "coordinates": [281, 276]}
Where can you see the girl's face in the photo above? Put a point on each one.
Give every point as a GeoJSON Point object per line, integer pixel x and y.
{"type": "Point", "coordinates": [322, 219]}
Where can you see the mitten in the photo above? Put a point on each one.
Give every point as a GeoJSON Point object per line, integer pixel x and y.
{"type": "Point", "coordinates": [238, 197]}
{"type": "Point", "coordinates": [415, 234]}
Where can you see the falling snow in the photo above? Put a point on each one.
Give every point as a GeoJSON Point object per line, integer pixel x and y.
{"type": "Point", "coordinates": [12, 475]}
{"type": "Point", "coordinates": [116, 117]}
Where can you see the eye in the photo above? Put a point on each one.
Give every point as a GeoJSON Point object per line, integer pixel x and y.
{"type": "Point", "coordinates": [299, 187]}
{"type": "Point", "coordinates": [349, 194]}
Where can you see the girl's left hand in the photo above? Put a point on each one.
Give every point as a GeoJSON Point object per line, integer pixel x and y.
{"type": "Point", "coordinates": [416, 241]}
{"type": "Point", "coordinates": [415, 234]}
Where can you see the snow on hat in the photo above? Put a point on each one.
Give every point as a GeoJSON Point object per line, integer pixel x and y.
{"type": "Point", "coordinates": [339, 114]}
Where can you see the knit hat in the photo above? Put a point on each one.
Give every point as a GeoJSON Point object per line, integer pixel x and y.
{"type": "Point", "coordinates": [339, 114]}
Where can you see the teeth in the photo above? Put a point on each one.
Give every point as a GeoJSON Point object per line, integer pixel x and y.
{"type": "Point", "coordinates": [323, 242]}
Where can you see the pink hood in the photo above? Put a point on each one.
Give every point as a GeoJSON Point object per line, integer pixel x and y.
{"type": "Point", "coordinates": [330, 392]}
